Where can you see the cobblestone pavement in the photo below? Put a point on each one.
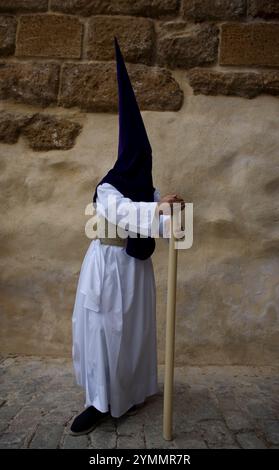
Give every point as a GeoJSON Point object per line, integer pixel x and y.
{"type": "Point", "coordinates": [214, 407]}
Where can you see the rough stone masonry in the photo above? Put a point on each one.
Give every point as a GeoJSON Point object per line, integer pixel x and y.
{"type": "Point", "coordinates": [206, 75]}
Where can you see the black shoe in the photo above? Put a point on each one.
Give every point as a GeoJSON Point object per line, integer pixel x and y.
{"type": "Point", "coordinates": [132, 411]}
{"type": "Point", "coordinates": [87, 421]}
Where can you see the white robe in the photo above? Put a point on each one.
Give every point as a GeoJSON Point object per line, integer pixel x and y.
{"type": "Point", "coordinates": [114, 321]}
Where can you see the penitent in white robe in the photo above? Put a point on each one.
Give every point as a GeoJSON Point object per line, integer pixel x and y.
{"type": "Point", "coordinates": [114, 321]}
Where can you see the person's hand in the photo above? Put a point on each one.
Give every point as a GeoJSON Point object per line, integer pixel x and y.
{"type": "Point", "coordinates": [165, 205]}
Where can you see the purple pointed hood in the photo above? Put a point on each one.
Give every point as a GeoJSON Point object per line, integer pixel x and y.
{"type": "Point", "coordinates": [132, 172]}
{"type": "Point", "coordinates": [132, 133]}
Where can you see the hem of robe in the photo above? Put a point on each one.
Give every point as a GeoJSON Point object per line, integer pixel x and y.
{"type": "Point", "coordinates": [140, 398]}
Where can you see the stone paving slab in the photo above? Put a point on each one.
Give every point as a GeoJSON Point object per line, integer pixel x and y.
{"type": "Point", "coordinates": [214, 407]}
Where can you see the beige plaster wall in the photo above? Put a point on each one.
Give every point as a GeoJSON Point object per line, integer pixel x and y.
{"type": "Point", "coordinates": [221, 153]}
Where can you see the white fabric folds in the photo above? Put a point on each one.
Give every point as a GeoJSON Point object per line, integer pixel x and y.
{"type": "Point", "coordinates": [114, 324]}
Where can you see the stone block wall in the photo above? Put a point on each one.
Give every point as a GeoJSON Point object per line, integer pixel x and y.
{"type": "Point", "coordinates": [206, 76]}
{"type": "Point", "coordinates": [68, 47]}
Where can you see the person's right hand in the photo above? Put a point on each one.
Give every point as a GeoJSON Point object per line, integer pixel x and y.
{"type": "Point", "coordinates": [165, 205]}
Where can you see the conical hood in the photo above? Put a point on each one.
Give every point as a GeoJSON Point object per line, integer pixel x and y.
{"type": "Point", "coordinates": [132, 134]}
{"type": "Point", "coordinates": [132, 171]}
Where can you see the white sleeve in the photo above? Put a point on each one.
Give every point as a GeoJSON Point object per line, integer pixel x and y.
{"type": "Point", "coordinates": [164, 223]}
{"type": "Point", "coordinates": [112, 205]}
